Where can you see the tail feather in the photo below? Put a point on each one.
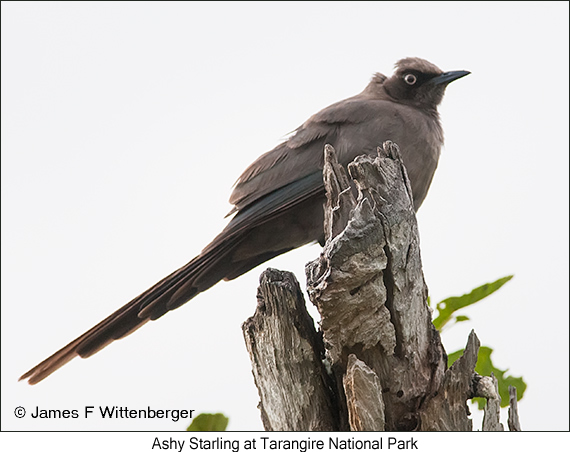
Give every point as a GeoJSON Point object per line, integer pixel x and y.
{"type": "Point", "coordinates": [267, 228]}
{"type": "Point", "coordinates": [184, 283]}
{"type": "Point", "coordinates": [87, 344]}
{"type": "Point", "coordinates": [198, 275]}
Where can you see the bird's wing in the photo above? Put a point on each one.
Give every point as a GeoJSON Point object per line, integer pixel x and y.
{"type": "Point", "coordinates": [302, 154]}
{"type": "Point", "coordinates": [354, 110]}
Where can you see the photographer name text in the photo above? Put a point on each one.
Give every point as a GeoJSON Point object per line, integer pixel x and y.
{"type": "Point", "coordinates": [111, 412]}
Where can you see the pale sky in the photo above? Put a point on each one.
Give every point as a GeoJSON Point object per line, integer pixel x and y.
{"type": "Point", "coordinates": [124, 126]}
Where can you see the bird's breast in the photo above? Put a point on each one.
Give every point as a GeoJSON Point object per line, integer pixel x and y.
{"type": "Point", "coordinates": [418, 135]}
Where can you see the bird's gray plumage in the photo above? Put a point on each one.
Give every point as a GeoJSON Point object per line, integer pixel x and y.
{"type": "Point", "coordinates": [278, 200]}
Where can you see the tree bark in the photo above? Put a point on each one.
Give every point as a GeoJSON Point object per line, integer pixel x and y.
{"type": "Point", "coordinates": [369, 288]}
{"type": "Point", "coordinates": [513, 421]}
{"type": "Point", "coordinates": [377, 362]}
{"type": "Point", "coordinates": [363, 397]}
{"type": "Point", "coordinates": [287, 359]}
{"type": "Point", "coordinates": [492, 413]}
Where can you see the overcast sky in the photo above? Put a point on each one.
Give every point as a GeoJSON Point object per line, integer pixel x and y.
{"type": "Point", "coordinates": [124, 126]}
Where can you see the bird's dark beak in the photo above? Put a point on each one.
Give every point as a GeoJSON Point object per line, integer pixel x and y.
{"type": "Point", "coordinates": [448, 77]}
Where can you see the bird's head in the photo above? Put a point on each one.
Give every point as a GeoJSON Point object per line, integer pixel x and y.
{"type": "Point", "coordinates": [419, 83]}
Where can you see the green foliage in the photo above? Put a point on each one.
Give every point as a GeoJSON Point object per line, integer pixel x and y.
{"type": "Point", "coordinates": [485, 366]}
{"type": "Point", "coordinates": [207, 422]}
{"type": "Point", "coordinates": [447, 312]}
{"type": "Point", "coordinates": [447, 307]}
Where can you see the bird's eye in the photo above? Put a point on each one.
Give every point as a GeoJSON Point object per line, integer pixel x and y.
{"type": "Point", "coordinates": [410, 79]}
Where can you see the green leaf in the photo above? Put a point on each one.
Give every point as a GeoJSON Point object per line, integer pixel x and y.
{"type": "Point", "coordinates": [447, 307]}
{"type": "Point", "coordinates": [461, 318]}
{"type": "Point", "coordinates": [485, 367]}
{"type": "Point", "coordinates": [207, 422]}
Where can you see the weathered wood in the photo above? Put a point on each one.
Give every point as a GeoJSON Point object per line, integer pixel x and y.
{"type": "Point", "coordinates": [513, 421]}
{"type": "Point", "coordinates": [447, 409]}
{"type": "Point", "coordinates": [377, 362]}
{"type": "Point", "coordinates": [363, 397]}
{"type": "Point", "coordinates": [340, 199]}
{"type": "Point", "coordinates": [286, 354]}
{"type": "Point", "coordinates": [369, 289]}
{"type": "Point", "coordinates": [492, 411]}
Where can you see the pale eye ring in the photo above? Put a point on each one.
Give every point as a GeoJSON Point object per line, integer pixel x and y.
{"type": "Point", "coordinates": [410, 79]}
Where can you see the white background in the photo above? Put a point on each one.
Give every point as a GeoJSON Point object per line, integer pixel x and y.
{"type": "Point", "coordinates": [124, 126]}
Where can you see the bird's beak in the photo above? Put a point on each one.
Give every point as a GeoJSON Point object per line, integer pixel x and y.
{"type": "Point", "coordinates": [448, 77]}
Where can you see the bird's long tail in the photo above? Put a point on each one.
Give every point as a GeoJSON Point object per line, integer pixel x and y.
{"type": "Point", "coordinates": [196, 276]}
{"type": "Point", "coordinates": [280, 221]}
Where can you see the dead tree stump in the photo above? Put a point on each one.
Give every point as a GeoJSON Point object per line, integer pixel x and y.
{"type": "Point", "coordinates": [377, 362]}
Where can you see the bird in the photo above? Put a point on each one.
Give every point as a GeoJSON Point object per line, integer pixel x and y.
{"type": "Point", "coordinates": [278, 200]}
